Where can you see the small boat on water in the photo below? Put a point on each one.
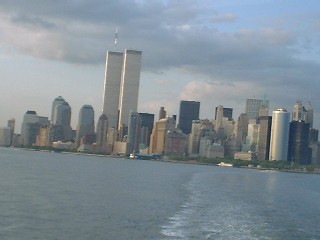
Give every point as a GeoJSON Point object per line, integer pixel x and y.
{"type": "Point", "coordinates": [223, 164]}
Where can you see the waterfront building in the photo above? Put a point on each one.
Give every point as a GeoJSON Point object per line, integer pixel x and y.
{"type": "Point", "coordinates": [218, 125]}
{"type": "Point", "coordinates": [299, 150]}
{"type": "Point", "coordinates": [315, 158]}
{"type": "Point", "coordinates": [245, 156]}
{"type": "Point", "coordinates": [279, 135]}
{"type": "Point", "coordinates": [194, 138]}
{"type": "Point", "coordinates": [133, 138]}
{"type": "Point", "coordinates": [85, 126]}
{"type": "Point", "coordinates": [242, 123]}
{"type": "Point", "coordinates": [189, 111]}
{"type": "Point", "coordinates": [102, 130]}
{"type": "Point", "coordinates": [313, 135]}
{"type": "Point", "coordinates": [11, 124]}
{"type": "Point", "coordinates": [5, 136]}
{"type": "Point", "coordinates": [61, 120]}
{"type": "Point", "coordinates": [264, 137]}
{"type": "Point", "coordinates": [29, 129]}
{"type": "Point", "coordinates": [209, 149]}
{"type": "Point", "coordinates": [147, 121]}
{"type": "Point", "coordinates": [252, 136]}
{"type": "Point", "coordinates": [121, 86]}
{"type": "Point", "coordinates": [56, 101]}
{"type": "Point", "coordinates": [176, 143]}
{"type": "Point", "coordinates": [157, 138]}
{"type": "Point", "coordinates": [43, 137]}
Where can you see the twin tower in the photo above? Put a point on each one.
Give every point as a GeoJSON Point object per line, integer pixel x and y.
{"type": "Point", "coordinates": [121, 86]}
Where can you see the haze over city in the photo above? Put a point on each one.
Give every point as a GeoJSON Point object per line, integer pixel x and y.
{"type": "Point", "coordinates": [215, 52]}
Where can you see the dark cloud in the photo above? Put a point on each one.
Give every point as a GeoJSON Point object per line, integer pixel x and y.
{"type": "Point", "coordinates": [172, 35]}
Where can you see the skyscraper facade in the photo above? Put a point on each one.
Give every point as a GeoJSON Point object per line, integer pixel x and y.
{"type": "Point", "coordinates": [61, 119]}
{"type": "Point", "coordinates": [264, 137]}
{"type": "Point", "coordinates": [121, 86]}
{"type": "Point", "coordinates": [133, 138]}
{"type": "Point", "coordinates": [279, 135]}
{"type": "Point", "coordinates": [56, 101]}
{"type": "Point", "coordinates": [147, 121]}
{"type": "Point", "coordinates": [253, 107]}
{"type": "Point", "coordinates": [227, 112]}
{"type": "Point", "coordinates": [189, 111]}
{"type": "Point", "coordinates": [85, 127]}
{"type": "Point", "coordinates": [157, 138]}
{"type": "Point", "coordinates": [299, 113]}
{"type": "Point", "coordinates": [194, 139]}
{"type": "Point", "coordinates": [30, 128]}
{"type": "Point", "coordinates": [102, 130]}
{"type": "Point", "coordinates": [299, 150]}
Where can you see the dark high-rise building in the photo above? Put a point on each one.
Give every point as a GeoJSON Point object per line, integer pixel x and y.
{"type": "Point", "coordinates": [147, 121]}
{"type": "Point", "coordinates": [30, 128]}
{"type": "Point", "coordinates": [264, 137]}
{"type": "Point", "coordinates": [227, 112]}
{"type": "Point", "coordinates": [299, 150]}
{"type": "Point", "coordinates": [85, 127]}
{"type": "Point", "coordinates": [162, 113]}
{"type": "Point", "coordinates": [313, 135]}
{"type": "Point", "coordinates": [133, 137]}
{"type": "Point", "coordinates": [189, 111]}
{"type": "Point", "coordinates": [102, 129]}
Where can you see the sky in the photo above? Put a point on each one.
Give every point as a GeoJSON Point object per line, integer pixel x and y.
{"type": "Point", "coordinates": [218, 52]}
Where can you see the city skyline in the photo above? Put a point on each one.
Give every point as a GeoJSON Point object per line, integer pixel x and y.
{"type": "Point", "coordinates": [216, 53]}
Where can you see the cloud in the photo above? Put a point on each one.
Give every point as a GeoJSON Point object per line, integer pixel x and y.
{"type": "Point", "coordinates": [230, 58]}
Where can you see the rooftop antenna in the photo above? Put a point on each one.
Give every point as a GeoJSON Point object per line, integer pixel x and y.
{"type": "Point", "coordinates": [116, 39]}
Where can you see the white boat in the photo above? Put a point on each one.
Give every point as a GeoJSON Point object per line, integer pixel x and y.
{"type": "Point", "coordinates": [223, 164]}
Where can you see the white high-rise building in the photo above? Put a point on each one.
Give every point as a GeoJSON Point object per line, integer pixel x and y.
{"type": "Point", "coordinates": [112, 83]}
{"type": "Point", "coordinates": [279, 135]}
{"type": "Point", "coordinates": [121, 86]}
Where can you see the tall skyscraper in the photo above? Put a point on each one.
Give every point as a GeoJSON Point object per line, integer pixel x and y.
{"type": "Point", "coordinates": [253, 107]}
{"type": "Point", "coordinates": [102, 130]}
{"type": "Point", "coordinates": [133, 138]}
{"type": "Point", "coordinates": [56, 101]}
{"type": "Point", "coordinates": [157, 138]}
{"type": "Point", "coordinates": [61, 118]}
{"type": "Point", "coordinates": [264, 137]}
{"type": "Point", "coordinates": [85, 127]}
{"type": "Point", "coordinates": [299, 150]}
{"type": "Point", "coordinates": [121, 86]}
{"type": "Point", "coordinates": [189, 111]}
{"type": "Point", "coordinates": [194, 139]}
{"type": "Point", "coordinates": [309, 117]}
{"type": "Point", "coordinates": [11, 124]}
{"type": "Point", "coordinates": [147, 121]}
{"type": "Point", "coordinates": [279, 135]}
{"type": "Point", "coordinates": [30, 128]}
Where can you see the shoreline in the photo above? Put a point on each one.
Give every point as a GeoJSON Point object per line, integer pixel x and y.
{"type": "Point", "coordinates": [195, 162]}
